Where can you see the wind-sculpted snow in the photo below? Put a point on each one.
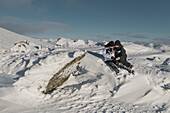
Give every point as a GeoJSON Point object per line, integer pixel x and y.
{"type": "Point", "coordinates": [93, 87]}
{"type": "Point", "coordinates": [6, 80]}
{"type": "Point", "coordinates": [8, 39]}
{"type": "Point", "coordinates": [63, 74]}
{"type": "Point", "coordinates": [65, 43]}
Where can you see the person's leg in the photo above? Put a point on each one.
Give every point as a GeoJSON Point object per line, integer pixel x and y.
{"type": "Point", "coordinates": [126, 63]}
{"type": "Point", "coordinates": [126, 68]}
{"type": "Point", "coordinates": [113, 66]}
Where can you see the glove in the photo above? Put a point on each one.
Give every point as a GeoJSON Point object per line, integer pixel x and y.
{"type": "Point", "coordinates": [118, 58]}
{"type": "Point", "coordinates": [112, 52]}
{"type": "Point", "coordinates": [112, 58]}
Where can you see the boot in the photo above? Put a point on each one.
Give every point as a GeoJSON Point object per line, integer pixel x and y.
{"type": "Point", "coordinates": [131, 66]}
{"type": "Point", "coordinates": [131, 72]}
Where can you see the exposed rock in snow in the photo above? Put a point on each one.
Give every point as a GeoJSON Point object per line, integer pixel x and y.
{"type": "Point", "coordinates": [92, 88]}
{"type": "Point", "coordinates": [166, 86]}
{"type": "Point", "coordinates": [166, 62]}
{"type": "Point", "coordinates": [63, 74]}
{"type": "Point", "coordinates": [24, 46]}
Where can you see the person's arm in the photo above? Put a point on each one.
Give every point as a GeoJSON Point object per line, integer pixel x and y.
{"type": "Point", "coordinates": [108, 54]}
{"type": "Point", "coordinates": [123, 55]}
{"type": "Point", "coordinates": [105, 54]}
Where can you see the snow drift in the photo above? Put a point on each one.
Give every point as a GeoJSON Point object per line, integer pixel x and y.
{"type": "Point", "coordinates": [92, 88]}
{"type": "Point", "coordinates": [63, 74]}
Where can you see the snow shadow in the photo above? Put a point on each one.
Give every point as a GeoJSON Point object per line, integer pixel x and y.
{"type": "Point", "coordinates": [96, 54]}
{"type": "Point", "coordinates": [165, 67]}
{"type": "Point", "coordinates": [6, 80]}
{"type": "Point", "coordinates": [75, 87]}
{"type": "Point", "coordinates": [80, 70]}
{"type": "Point", "coordinates": [71, 54]}
{"type": "Point", "coordinates": [78, 86]}
{"type": "Point", "coordinates": [154, 58]}
{"type": "Point", "coordinates": [166, 62]}
{"type": "Point", "coordinates": [22, 72]}
{"type": "Point", "coordinates": [161, 108]}
{"type": "Point", "coordinates": [115, 89]}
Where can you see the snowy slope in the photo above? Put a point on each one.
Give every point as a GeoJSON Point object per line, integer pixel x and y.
{"type": "Point", "coordinates": [65, 43]}
{"type": "Point", "coordinates": [8, 39]}
{"type": "Point", "coordinates": [92, 88]}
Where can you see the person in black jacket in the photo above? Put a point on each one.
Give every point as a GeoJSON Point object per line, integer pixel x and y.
{"type": "Point", "coordinates": [120, 54]}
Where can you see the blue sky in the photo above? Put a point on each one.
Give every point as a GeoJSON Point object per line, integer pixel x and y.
{"type": "Point", "coordinates": [99, 20]}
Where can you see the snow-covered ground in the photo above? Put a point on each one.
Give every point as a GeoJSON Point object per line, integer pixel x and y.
{"type": "Point", "coordinates": [92, 88]}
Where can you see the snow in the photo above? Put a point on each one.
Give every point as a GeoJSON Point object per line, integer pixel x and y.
{"type": "Point", "coordinates": [65, 43]}
{"type": "Point", "coordinates": [8, 39]}
{"type": "Point", "coordinates": [92, 88]}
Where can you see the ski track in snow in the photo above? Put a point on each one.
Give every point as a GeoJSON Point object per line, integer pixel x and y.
{"type": "Point", "coordinates": [92, 88]}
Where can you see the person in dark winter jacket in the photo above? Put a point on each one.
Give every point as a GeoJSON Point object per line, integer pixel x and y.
{"type": "Point", "coordinates": [120, 55]}
{"type": "Point", "coordinates": [109, 56]}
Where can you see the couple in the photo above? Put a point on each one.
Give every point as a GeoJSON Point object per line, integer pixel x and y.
{"type": "Point", "coordinates": [115, 56]}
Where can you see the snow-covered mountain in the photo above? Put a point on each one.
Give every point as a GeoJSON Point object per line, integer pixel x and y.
{"type": "Point", "coordinates": [92, 88]}
{"type": "Point", "coordinates": [8, 39]}
{"type": "Point", "coordinates": [65, 42]}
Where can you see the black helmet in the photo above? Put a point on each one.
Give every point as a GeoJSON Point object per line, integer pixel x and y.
{"type": "Point", "coordinates": [111, 43]}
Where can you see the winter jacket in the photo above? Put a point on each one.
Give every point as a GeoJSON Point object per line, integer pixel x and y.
{"type": "Point", "coordinates": [120, 52]}
{"type": "Point", "coordinates": [107, 54]}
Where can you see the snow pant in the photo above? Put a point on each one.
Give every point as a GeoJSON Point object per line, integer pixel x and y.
{"type": "Point", "coordinates": [124, 62]}
{"type": "Point", "coordinates": [112, 65]}
{"type": "Point", "coordinates": [120, 65]}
